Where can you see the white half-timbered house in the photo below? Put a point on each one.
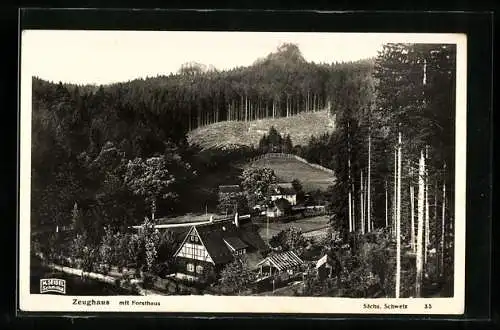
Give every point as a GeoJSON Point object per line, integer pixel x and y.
{"type": "Point", "coordinates": [209, 247]}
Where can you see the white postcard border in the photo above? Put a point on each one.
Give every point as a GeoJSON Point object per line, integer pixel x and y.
{"type": "Point", "coordinates": [246, 304]}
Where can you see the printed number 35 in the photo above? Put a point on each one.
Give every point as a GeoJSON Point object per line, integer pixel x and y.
{"type": "Point", "coordinates": [428, 306]}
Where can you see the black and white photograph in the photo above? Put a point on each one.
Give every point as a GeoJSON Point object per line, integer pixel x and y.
{"type": "Point", "coordinates": [267, 172]}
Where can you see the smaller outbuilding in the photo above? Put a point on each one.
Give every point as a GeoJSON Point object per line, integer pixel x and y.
{"type": "Point", "coordinates": [278, 263]}
{"type": "Point", "coordinates": [325, 266]}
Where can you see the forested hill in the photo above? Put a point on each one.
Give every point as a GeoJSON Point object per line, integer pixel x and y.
{"type": "Point", "coordinates": [280, 84]}
{"type": "Point", "coordinates": [86, 138]}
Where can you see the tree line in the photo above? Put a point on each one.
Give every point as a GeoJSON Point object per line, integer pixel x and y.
{"type": "Point", "coordinates": [393, 155]}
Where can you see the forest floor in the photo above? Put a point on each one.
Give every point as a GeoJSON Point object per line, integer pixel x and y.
{"type": "Point", "coordinates": [300, 127]}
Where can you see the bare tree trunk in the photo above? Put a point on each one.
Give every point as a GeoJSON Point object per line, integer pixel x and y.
{"type": "Point", "coordinates": [199, 116]}
{"type": "Point", "coordinates": [427, 236]}
{"type": "Point", "coordinates": [288, 106]}
{"type": "Point", "coordinates": [393, 230]}
{"type": "Point", "coordinates": [361, 204]}
{"type": "Point", "coordinates": [420, 225]}
{"type": "Point", "coordinates": [353, 201]}
{"type": "Point", "coordinates": [368, 206]}
{"type": "Point", "coordinates": [240, 113]}
{"type": "Point", "coordinates": [398, 222]}
{"type": "Point", "coordinates": [435, 215]}
{"type": "Point", "coordinates": [349, 183]}
{"type": "Point", "coordinates": [349, 197]}
{"type": "Point", "coordinates": [365, 205]}
{"type": "Point", "coordinates": [412, 216]}
{"type": "Point", "coordinates": [386, 206]}
{"type": "Point", "coordinates": [153, 209]}
{"type": "Point", "coordinates": [443, 214]}
{"type": "Point", "coordinates": [246, 108]}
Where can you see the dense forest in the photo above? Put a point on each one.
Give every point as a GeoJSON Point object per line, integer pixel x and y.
{"type": "Point", "coordinates": [393, 156]}
{"type": "Point", "coordinates": [77, 129]}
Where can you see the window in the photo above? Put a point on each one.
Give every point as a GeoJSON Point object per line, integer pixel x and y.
{"type": "Point", "coordinates": [194, 238]}
{"type": "Point", "coordinates": [239, 252]}
{"type": "Point", "coordinates": [190, 267]}
{"type": "Point", "coordinates": [199, 252]}
{"type": "Point", "coordinates": [199, 269]}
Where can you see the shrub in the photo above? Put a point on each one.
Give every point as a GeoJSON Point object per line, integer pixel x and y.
{"type": "Point", "coordinates": [134, 288]}
{"type": "Point", "coordinates": [148, 280]}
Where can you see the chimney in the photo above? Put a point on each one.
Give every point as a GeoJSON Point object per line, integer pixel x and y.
{"type": "Point", "coordinates": [211, 218]}
{"type": "Point", "coordinates": [236, 219]}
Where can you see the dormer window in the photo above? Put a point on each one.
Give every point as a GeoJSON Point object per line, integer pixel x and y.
{"type": "Point", "coordinates": [240, 252]}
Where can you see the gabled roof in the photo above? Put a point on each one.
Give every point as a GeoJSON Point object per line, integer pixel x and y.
{"type": "Point", "coordinates": [326, 259]}
{"type": "Point", "coordinates": [282, 260]}
{"type": "Point", "coordinates": [215, 235]}
{"type": "Point", "coordinates": [235, 243]}
{"type": "Point", "coordinates": [229, 189]}
{"type": "Point", "coordinates": [282, 189]}
{"type": "Point", "coordinates": [281, 204]}
{"type": "Point", "coordinates": [251, 235]}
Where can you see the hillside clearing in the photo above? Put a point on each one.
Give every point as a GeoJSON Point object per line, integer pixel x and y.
{"type": "Point", "coordinates": [306, 225]}
{"type": "Point", "coordinates": [289, 169]}
{"type": "Point", "coordinates": [228, 133]}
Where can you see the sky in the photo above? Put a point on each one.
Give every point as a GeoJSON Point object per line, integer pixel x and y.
{"type": "Point", "coordinates": [102, 57]}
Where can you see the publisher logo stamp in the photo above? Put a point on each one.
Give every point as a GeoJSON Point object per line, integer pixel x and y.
{"type": "Point", "coordinates": [54, 285]}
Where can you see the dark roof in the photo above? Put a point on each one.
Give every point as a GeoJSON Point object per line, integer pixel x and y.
{"type": "Point", "coordinates": [213, 235]}
{"type": "Point", "coordinates": [235, 243]}
{"type": "Point", "coordinates": [229, 189]}
{"type": "Point", "coordinates": [179, 232]}
{"type": "Point", "coordinates": [251, 234]}
{"type": "Point", "coordinates": [282, 204]}
{"type": "Point", "coordinates": [282, 189]}
{"type": "Point", "coordinates": [326, 259]}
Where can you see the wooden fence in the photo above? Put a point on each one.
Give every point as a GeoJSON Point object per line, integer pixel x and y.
{"type": "Point", "coordinates": [277, 155]}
